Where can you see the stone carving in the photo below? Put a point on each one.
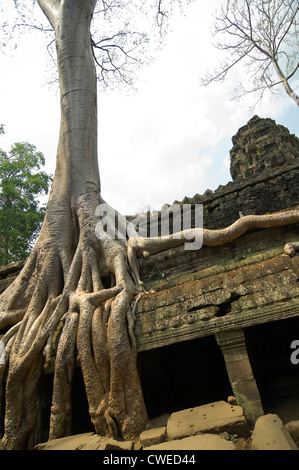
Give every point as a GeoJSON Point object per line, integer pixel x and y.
{"type": "Point", "coordinates": [260, 146]}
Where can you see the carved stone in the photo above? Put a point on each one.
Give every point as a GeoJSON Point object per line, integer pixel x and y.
{"type": "Point", "coordinates": [262, 146]}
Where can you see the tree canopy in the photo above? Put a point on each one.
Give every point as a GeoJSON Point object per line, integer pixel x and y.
{"type": "Point", "coordinates": [22, 182]}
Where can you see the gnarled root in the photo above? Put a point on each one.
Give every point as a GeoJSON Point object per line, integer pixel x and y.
{"type": "Point", "coordinates": [95, 325]}
{"type": "Point", "coordinates": [144, 247]}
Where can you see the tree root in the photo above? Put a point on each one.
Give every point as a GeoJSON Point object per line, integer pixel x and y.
{"type": "Point", "coordinates": [144, 247]}
{"type": "Point", "coordinates": [291, 248]}
{"type": "Point", "coordinates": [96, 327]}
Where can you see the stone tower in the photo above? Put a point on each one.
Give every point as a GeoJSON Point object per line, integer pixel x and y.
{"type": "Point", "coordinates": [262, 146]}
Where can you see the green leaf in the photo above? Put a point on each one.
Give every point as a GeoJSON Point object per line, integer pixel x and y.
{"type": "Point", "coordinates": [22, 182]}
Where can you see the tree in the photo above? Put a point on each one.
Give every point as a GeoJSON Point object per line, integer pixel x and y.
{"type": "Point", "coordinates": [21, 183]}
{"type": "Point", "coordinates": [262, 35]}
{"type": "Point", "coordinates": [79, 285]}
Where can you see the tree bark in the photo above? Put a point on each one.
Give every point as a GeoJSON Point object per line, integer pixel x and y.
{"type": "Point", "coordinates": [61, 283]}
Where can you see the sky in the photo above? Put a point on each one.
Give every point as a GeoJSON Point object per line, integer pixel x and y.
{"type": "Point", "coordinates": [169, 139]}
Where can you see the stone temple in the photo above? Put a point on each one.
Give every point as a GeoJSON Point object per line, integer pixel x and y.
{"type": "Point", "coordinates": [220, 321]}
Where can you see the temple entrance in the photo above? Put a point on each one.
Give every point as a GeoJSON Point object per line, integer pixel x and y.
{"type": "Point", "coordinates": [269, 350]}
{"type": "Point", "coordinates": [183, 375]}
{"type": "Point", "coordinates": [81, 421]}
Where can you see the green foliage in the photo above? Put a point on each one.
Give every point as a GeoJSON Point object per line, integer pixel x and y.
{"type": "Point", "coordinates": [21, 183]}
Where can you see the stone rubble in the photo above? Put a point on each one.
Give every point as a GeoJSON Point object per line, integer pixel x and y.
{"type": "Point", "coordinates": [270, 433]}
{"type": "Point", "coordinates": [214, 426]}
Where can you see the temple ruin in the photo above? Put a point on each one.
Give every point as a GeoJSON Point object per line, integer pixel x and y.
{"type": "Point", "coordinates": [220, 321]}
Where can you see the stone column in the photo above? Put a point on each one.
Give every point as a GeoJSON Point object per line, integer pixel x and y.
{"type": "Point", "coordinates": [232, 344]}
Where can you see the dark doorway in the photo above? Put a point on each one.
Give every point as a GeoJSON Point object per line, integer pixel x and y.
{"type": "Point", "coordinates": [269, 350]}
{"type": "Point", "coordinates": [81, 421]}
{"type": "Point", "coordinates": [183, 375]}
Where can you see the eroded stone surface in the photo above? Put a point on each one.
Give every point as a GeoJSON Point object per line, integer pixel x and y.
{"type": "Point", "coordinates": [270, 434]}
{"type": "Point", "coordinates": [66, 443]}
{"type": "Point", "coordinates": [261, 145]}
{"type": "Point", "coordinates": [199, 442]}
{"type": "Point", "coordinates": [86, 441]}
{"type": "Point", "coordinates": [293, 428]}
{"type": "Point", "coordinates": [211, 418]}
{"type": "Point", "coordinates": [153, 436]}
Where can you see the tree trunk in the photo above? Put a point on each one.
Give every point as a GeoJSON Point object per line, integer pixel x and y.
{"type": "Point", "coordinates": [60, 287]}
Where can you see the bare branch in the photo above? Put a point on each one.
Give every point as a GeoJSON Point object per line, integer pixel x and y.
{"type": "Point", "coordinates": [221, 75]}
{"type": "Point", "coordinates": [259, 33]}
{"type": "Point", "coordinates": [291, 22]}
{"type": "Point", "coordinates": [33, 26]}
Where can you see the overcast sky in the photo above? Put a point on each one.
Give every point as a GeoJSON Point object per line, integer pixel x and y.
{"type": "Point", "coordinates": [169, 140]}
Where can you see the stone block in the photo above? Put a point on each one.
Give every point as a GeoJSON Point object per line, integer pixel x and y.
{"type": "Point", "coordinates": [86, 441]}
{"type": "Point", "coordinates": [199, 442]}
{"type": "Point", "coordinates": [112, 444]}
{"type": "Point", "coordinates": [270, 434]}
{"type": "Point", "coordinates": [66, 443]}
{"type": "Point", "coordinates": [153, 436]}
{"type": "Point", "coordinates": [293, 428]}
{"type": "Point", "coordinates": [160, 421]}
{"type": "Point", "coordinates": [211, 418]}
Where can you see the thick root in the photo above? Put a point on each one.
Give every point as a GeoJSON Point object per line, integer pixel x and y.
{"type": "Point", "coordinates": [96, 324]}
{"type": "Point", "coordinates": [144, 247]}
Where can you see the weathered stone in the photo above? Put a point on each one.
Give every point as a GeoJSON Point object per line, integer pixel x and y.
{"type": "Point", "coordinates": [239, 370]}
{"type": "Point", "coordinates": [94, 442]}
{"type": "Point", "coordinates": [112, 444]}
{"type": "Point", "coordinates": [159, 422]}
{"type": "Point", "coordinates": [153, 436]}
{"type": "Point", "coordinates": [86, 441]}
{"type": "Point", "coordinates": [242, 284]}
{"type": "Point", "coordinates": [270, 434]}
{"type": "Point", "coordinates": [260, 146]}
{"type": "Point", "coordinates": [66, 443]}
{"type": "Point", "coordinates": [199, 442]}
{"type": "Point", "coordinates": [212, 418]}
{"type": "Point", "coordinates": [293, 428]}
